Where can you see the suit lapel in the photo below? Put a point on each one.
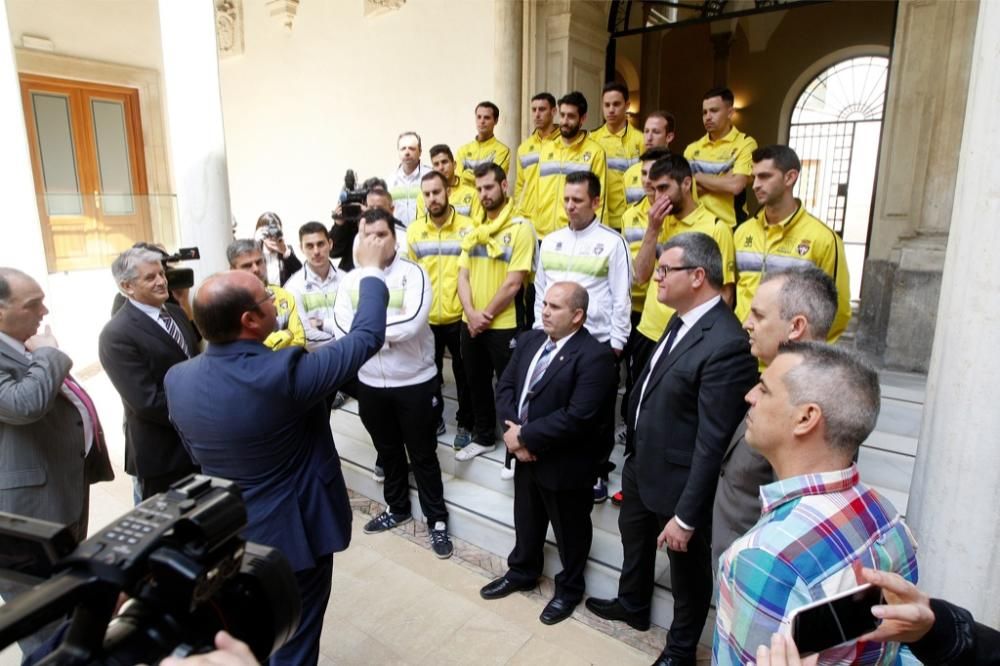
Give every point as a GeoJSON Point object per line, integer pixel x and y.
{"type": "Point", "coordinates": [561, 356]}
{"type": "Point", "coordinates": [532, 343]}
{"type": "Point", "coordinates": [690, 339]}
{"type": "Point", "coordinates": [145, 323]}
{"type": "Point", "coordinates": [14, 355]}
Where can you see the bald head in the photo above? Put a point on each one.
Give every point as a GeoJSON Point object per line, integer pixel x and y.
{"type": "Point", "coordinates": [221, 302]}
{"type": "Point", "coordinates": [564, 309]}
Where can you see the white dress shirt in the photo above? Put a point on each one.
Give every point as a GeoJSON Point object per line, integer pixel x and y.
{"type": "Point", "coordinates": [534, 361]}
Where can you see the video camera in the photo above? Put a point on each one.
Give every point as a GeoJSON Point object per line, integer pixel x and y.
{"type": "Point", "coordinates": [180, 278]}
{"type": "Point", "coordinates": [352, 198]}
{"type": "Point", "coordinates": [179, 558]}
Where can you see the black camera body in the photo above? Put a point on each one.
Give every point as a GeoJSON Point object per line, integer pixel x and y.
{"type": "Point", "coordinates": [180, 559]}
{"type": "Point", "coordinates": [180, 278]}
{"type": "Point", "coordinates": [273, 231]}
{"type": "Point", "coordinates": [352, 198]}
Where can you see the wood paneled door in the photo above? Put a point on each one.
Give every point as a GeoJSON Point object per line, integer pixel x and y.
{"type": "Point", "coordinates": [89, 169]}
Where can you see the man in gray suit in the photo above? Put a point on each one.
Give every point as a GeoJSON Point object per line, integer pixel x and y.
{"type": "Point", "coordinates": [794, 305]}
{"type": "Point", "coordinates": [51, 443]}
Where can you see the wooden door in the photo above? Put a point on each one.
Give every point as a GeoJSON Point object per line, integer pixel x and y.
{"type": "Point", "coordinates": [89, 169]}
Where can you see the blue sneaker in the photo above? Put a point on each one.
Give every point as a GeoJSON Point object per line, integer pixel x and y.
{"type": "Point", "coordinates": [462, 439]}
{"type": "Point", "coordinates": [600, 491]}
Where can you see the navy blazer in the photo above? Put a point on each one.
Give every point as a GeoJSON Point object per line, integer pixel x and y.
{"type": "Point", "coordinates": [564, 413]}
{"type": "Point", "coordinates": [259, 418]}
{"type": "Point", "coordinates": [692, 405]}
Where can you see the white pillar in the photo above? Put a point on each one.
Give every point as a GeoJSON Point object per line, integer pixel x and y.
{"type": "Point", "coordinates": [508, 15]}
{"type": "Point", "coordinates": [195, 133]}
{"type": "Point", "coordinates": [956, 483]}
{"type": "Point", "coordinates": [22, 246]}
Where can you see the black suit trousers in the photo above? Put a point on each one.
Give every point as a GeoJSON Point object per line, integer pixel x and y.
{"type": "Point", "coordinates": [486, 357]}
{"type": "Point", "coordinates": [569, 512]}
{"type": "Point", "coordinates": [690, 572]}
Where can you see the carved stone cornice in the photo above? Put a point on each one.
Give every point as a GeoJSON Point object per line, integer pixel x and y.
{"type": "Point", "coordinates": [376, 7]}
{"type": "Point", "coordinates": [229, 27]}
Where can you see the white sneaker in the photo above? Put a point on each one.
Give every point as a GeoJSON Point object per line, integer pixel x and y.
{"type": "Point", "coordinates": [507, 473]}
{"type": "Point", "coordinates": [620, 434]}
{"type": "Point", "coordinates": [472, 450]}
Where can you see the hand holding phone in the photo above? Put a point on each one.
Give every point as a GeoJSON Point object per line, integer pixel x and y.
{"type": "Point", "coordinates": [836, 620]}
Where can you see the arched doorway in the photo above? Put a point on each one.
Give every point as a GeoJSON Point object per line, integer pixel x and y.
{"type": "Point", "coordinates": [834, 128]}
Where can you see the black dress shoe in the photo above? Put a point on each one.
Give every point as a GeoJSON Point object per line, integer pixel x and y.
{"type": "Point", "coordinates": [665, 660]}
{"type": "Point", "coordinates": [612, 609]}
{"type": "Point", "coordinates": [557, 610]}
{"type": "Point", "coordinates": [501, 587]}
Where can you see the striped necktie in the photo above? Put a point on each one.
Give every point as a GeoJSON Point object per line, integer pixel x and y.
{"type": "Point", "coordinates": [541, 365]}
{"type": "Point", "coordinates": [174, 331]}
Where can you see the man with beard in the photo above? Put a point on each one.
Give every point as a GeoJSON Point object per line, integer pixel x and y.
{"type": "Point", "coordinates": [497, 258]}
{"type": "Point", "coordinates": [543, 109]}
{"type": "Point", "coordinates": [461, 195]}
{"type": "Point", "coordinates": [435, 244]}
{"type": "Point", "coordinates": [574, 151]}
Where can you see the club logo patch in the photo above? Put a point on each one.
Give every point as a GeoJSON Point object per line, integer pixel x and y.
{"type": "Point", "coordinates": [803, 248]}
{"type": "Point", "coordinates": [506, 239]}
{"type": "Point", "coordinates": [598, 249]}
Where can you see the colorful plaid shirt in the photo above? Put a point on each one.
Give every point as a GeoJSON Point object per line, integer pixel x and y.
{"type": "Point", "coordinates": [813, 531]}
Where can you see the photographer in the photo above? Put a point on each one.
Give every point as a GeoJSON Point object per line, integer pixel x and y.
{"type": "Point", "coordinates": [279, 257]}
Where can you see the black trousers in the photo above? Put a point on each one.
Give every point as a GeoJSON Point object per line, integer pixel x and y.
{"type": "Point", "coordinates": [607, 426]}
{"type": "Point", "coordinates": [690, 572]}
{"type": "Point", "coordinates": [485, 356]}
{"type": "Point", "coordinates": [569, 512]}
{"type": "Point", "coordinates": [314, 584]}
{"type": "Point", "coordinates": [401, 421]}
{"type": "Point", "coordinates": [449, 336]}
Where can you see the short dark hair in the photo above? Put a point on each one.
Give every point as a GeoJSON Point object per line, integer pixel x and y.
{"type": "Point", "coordinates": [673, 165]}
{"type": "Point", "coordinates": [488, 168]}
{"type": "Point", "coordinates": [615, 86]}
{"type": "Point", "coordinates": [725, 93]}
{"type": "Point", "coordinates": [657, 153]}
{"type": "Point", "coordinates": [700, 251]}
{"type": "Point", "coordinates": [431, 175]}
{"type": "Point", "coordinates": [313, 228]}
{"type": "Point", "coordinates": [806, 291]}
{"type": "Point", "coordinates": [238, 247]}
{"type": "Point", "coordinates": [842, 383]}
{"type": "Point", "coordinates": [588, 177]}
{"type": "Point", "coordinates": [783, 157]}
{"type": "Point", "coordinates": [218, 320]}
{"type": "Point", "coordinates": [666, 115]}
{"type": "Point", "coordinates": [439, 148]}
{"type": "Point", "coordinates": [375, 183]}
{"type": "Point", "coordinates": [5, 275]}
{"type": "Point", "coordinates": [378, 215]}
{"type": "Point", "coordinates": [492, 107]}
{"type": "Point", "coordinates": [576, 99]}
{"type": "Point", "coordinates": [547, 97]}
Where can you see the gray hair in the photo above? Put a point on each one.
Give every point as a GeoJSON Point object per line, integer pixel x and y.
{"type": "Point", "coordinates": [240, 246]}
{"type": "Point", "coordinates": [5, 275]}
{"type": "Point", "coordinates": [410, 133]}
{"type": "Point", "coordinates": [808, 292]}
{"type": "Point", "coordinates": [700, 251]}
{"type": "Point", "coordinates": [842, 384]}
{"type": "Point", "coordinates": [125, 267]}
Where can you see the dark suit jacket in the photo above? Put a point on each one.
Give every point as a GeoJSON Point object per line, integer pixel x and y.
{"type": "Point", "coordinates": [259, 418]}
{"type": "Point", "coordinates": [43, 472]}
{"type": "Point", "coordinates": [136, 353]}
{"type": "Point", "coordinates": [692, 405]}
{"type": "Point", "coordinates": [564, 413]}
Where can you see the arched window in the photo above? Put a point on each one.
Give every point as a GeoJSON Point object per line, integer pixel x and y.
{"type": "Point", "coordinates": [835, 128]}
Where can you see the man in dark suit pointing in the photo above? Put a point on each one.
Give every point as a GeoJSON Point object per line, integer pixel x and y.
{"type": "Point", "coordinates": [684, 407]}
{"type": "Point", "coordinates": [259, 418]}
{"type": "Point", "coordinates": [550, 399]}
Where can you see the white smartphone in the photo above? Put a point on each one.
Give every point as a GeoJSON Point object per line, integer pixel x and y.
{"type": "Point", "coordinates": [835, 620]}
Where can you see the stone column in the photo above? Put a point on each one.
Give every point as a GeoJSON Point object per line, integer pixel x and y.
{"type": "Point", "coordinates": [508, 33]}
{"type": "Point", "coordinates": [196, 139]}
{"type": "Point", "coordinates": [956, 480]}
{"type": "Point", "coordinates": [918, 160]}
{"type": "Point", "coordinates": [22, 246]}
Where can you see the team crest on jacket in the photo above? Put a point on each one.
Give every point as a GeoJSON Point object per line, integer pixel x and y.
{"type": "Point", "coordinates": [803, 248]}
{"type": "Point", "coordinates": [586, 157]}
{"type": "Point", "coordinates": [506, 239]}
{"type": "Point", "coordinates": [558, 246]}
{"type": "Point", "coordinates": [598, 249]}
{"type": "Point", "coordinates": [462, 233]}
{"type": "Point", "coordinates": [404, 282]}
{"type": "Point", "coordinates": [748, 242]}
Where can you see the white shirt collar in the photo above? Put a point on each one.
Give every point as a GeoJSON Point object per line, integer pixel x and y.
{"type": "Point", "coordinates": [149, 310]}
{"type": "Point", "coordinates": [691, 317]}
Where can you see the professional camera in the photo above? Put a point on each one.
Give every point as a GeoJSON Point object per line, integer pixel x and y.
{"type": "Point", "coordinates": [273, 231]}
{"type": "Point", "coordinates": [179, 558]}
{"type": "Point", "coordinates": [352, 198]}
{"type": "Point", "coordinates": [181, 278]}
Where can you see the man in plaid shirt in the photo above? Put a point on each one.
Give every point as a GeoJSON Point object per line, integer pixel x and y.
{"type": "Point", "coordinates": [814, 406]}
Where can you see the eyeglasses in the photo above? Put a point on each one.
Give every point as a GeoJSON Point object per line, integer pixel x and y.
{"type": "Point", "coordinates": [662, 271]}
{"type": "Point", "coordinates": [269, 297]}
